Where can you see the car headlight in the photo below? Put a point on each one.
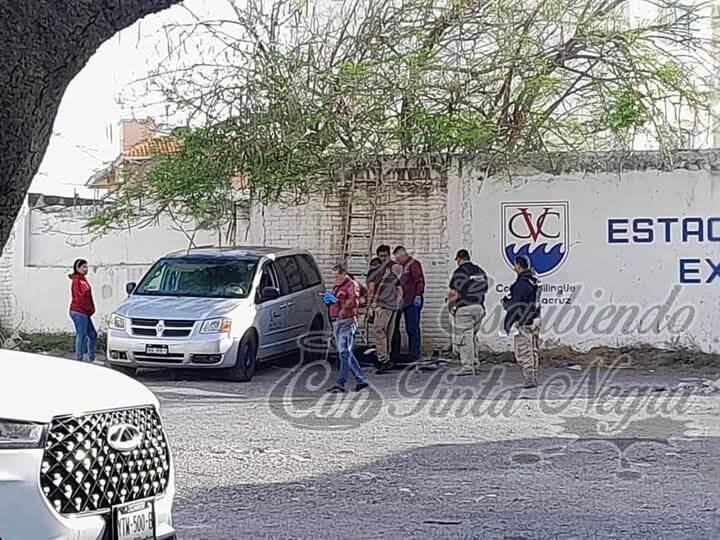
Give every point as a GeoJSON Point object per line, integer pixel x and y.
{"type": "Point", "coordinates": [117, 322]}
{"type": "Point", "coordinates": [15, 434]}
{"type": "Point", "coordinates": [216, 326]}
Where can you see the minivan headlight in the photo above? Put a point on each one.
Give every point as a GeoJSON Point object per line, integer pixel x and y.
{"type": "Point", "coordinates": [216, 326]}
{"type": "Point", "coordinates": [15, 434]}
{"type": "Point", "coordinates": [117, 322]}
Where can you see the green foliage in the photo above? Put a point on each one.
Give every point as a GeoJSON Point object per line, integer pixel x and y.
{"type": "Point", "coordinates": [670, 74]}
{"type": "Point", "coordinates": [462, 130]}
{"type": "Point", "coordinates": [190, 179]}
{"type": "Point", "coordinates": [193, 186]}
{"type": "Point", "coordinates": [304, 90]}
{"type": "Point", "coordinates": [626, 111]}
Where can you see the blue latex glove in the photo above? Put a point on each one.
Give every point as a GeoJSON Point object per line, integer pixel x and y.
{"type": "Point", "coordinates": [417, 302]}
{"type": "Point", "coordinates": [329, 298]}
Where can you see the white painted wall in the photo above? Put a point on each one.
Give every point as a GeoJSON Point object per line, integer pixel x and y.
{"type": "Point", "coordinates": [607, 275]}
{"type": "Point", "coordinates": [48, 240]}
{"type": "Point", "coordinates": [435, 220]}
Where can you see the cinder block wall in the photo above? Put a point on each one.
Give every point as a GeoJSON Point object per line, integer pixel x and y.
{"type": "Point", "coordinates": [412, 212]}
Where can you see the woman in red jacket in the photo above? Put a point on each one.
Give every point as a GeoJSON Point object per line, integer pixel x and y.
{"type": "Point", "coordinates": [82, 308]}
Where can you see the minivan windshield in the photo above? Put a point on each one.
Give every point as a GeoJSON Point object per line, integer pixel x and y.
{"type": "Point", "coordinates": [202, 278]}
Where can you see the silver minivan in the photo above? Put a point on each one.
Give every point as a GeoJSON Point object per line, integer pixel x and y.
{"type": "Point", "coordinates": [218, 308]}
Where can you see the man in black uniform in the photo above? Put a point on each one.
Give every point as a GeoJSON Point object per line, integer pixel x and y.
{"type": "Point", "coordinates": [523, 314]}
{"type": "Point", "coordinates": [466, 302]}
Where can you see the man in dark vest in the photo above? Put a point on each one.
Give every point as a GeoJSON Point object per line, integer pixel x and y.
{"type": "Point", "coordinates": [523, 319]}
{"type": "Point", "coordinates": [466, 302]}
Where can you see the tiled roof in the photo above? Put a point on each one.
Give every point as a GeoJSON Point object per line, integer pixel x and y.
{"type": "Point", "coordinates": [159, 146]}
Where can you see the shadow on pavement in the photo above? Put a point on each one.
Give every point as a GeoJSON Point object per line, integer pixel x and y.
{"type": "Point", "coordinates": [287, 379]}
{"type": "Point", "coordinates": [525, 488]}
{"type": "Point", "coordinates": [275, 365]}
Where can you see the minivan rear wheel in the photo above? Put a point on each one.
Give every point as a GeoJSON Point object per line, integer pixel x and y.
{"type": "Point", "coordinates": [246, 363]}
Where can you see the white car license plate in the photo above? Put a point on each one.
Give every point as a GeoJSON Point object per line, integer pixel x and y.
{"type": "Point", "coordinates": [156, 349]}
{"type": "Point", "coordinates": [135, 521]}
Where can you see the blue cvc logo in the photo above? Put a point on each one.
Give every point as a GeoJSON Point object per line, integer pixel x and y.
{"type": "Point", "coordinates": [538, 230]}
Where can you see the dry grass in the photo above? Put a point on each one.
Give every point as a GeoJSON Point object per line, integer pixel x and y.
{"type": "Point", "coordinates": [640, 356]}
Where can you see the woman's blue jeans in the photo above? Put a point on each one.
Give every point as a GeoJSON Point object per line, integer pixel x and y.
{"type": "Point", "coordinates": [85, 336]}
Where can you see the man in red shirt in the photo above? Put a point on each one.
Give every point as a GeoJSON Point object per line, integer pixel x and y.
{"type": "Point", "coordinates": [412, 282]}
{"type": "Point", "coordinates": [344, 301]}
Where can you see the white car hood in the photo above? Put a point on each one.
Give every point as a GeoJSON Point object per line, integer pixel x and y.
{"type": "Point", "coordinates": [37, 388]}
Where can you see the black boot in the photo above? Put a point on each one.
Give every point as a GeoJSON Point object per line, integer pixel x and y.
{"type": "Point", "coordinates": [384, 368]}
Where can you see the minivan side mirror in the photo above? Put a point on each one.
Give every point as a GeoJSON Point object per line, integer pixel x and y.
{"type": "Point", "coordinates": [269, 293]}
{"type": "Point", "coordinates": [130, 287]}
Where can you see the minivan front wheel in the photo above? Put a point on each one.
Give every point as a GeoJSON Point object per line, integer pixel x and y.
{"type": "Point", "coordinates": [246, 361]}
{"type": "Point", "coordinates": [317, 342]}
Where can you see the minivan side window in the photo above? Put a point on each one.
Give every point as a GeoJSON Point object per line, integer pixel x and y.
{"type": "Point", "coordinates": [268, 279]}
{"type": "Point", "coordinates": [310, 273]}
{"type": "Point", "coordinates": [293, 276]}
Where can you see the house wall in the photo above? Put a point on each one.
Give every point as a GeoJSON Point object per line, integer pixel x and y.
{"type": "Point", "coordinates": [135, 131]}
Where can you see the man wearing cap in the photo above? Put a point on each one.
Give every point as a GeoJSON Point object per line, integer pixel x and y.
{"type": "Point", "coordinates": [466, 302]}
{"type": "Point", "coordinates": [385, 300]}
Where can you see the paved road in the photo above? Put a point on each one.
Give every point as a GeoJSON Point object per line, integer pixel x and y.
{"type": "Point", "coordinates": [267, 459]}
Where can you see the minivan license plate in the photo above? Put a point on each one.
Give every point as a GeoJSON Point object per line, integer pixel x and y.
{"type": "Point", "coordinates": [156, 349]}
{"type": "Point", "coordinates": [135, 521]}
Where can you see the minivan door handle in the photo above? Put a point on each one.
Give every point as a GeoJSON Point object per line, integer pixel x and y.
{"type": "Point", "coordinates": [290, 304]}
{"type": "Point", "coordinates": [282, 306]}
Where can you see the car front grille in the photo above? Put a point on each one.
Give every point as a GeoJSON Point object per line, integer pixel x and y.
{"type": "Point", "coordinates": [82, 473]}
{"type": "Point", "coordinates": [169, 358]}
{"type": "Point", "coordinates": [145, 332]}
{"type": "Point", "coordinates": [179, 324]}
{"type": "Point", "coordinates": [144, 322]}
{"type": "Point", "coordinates": [161, 328]}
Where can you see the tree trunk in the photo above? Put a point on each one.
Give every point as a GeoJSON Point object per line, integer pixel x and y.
{"type": "Point", "coordinates": [43, 45]}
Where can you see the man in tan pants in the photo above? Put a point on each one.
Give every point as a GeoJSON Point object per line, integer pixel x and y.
{"type": "Point", "coordinates": [385, 299]}
{"type": "Point", "coordinates": [526, 346]}
{"type": "Point", "coordinates": [523, 318]}
{"type": "Point", "coordinates": [466, 302]}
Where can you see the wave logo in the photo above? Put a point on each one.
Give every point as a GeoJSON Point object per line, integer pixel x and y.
{"type": "Point", "coordinates": [539, 231]}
